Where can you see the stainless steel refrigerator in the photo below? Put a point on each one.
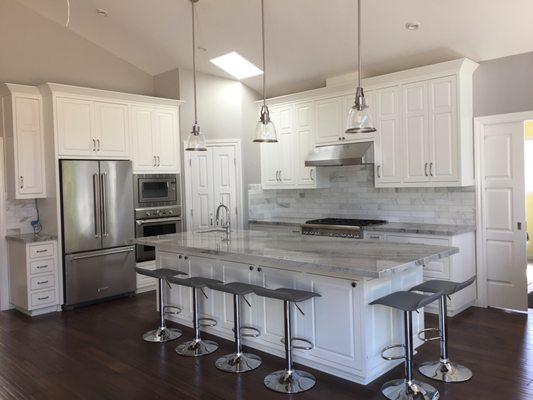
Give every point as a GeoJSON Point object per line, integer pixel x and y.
{"type": "Point", "coordinates": [97, 217]}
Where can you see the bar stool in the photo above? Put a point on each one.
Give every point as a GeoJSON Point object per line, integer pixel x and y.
{"type": "Point", "coordinates": [197, 346]}
{"type": "Point", "coordinates": [289, 380]}
{"type": "Point", "coordinates": [443, 370]}
{"type": "Point", "coordinates": [238, 362]}
{"type": "Point", "coordinates": [162, 333]}
{"type": "Point", "coordinates": [407, 388]}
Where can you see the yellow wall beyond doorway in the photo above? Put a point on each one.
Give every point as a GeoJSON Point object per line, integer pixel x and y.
{"type": "Point", "coordinates": [529, 196]}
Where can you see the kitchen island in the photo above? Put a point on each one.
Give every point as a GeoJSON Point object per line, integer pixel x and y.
{"type": "Point", "coordinates": [348, 334]}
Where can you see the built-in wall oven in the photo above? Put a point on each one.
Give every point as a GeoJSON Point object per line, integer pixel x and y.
{"type": "Point", "coordinates": [157, 209]}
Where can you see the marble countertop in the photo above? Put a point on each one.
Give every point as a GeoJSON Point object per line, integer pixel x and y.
{"type": "Point", "coordinates": [31, 238]}
{"type": "Point", "coordinates": [392, 227]}
{"type": "Point", "coordinates": [343, 258]}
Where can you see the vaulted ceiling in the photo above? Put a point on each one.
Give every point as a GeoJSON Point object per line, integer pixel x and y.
{"type": "Point", "coordinates": [307, 40]}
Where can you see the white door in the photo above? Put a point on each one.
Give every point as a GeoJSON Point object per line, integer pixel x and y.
{"type": "Point", "coordinates": [501, 189]}
{"type": "Point", "coordinates": [416, 157]}
{"type": "Point", "coordinates": [165, 129]}
{"type": "Point", "coordinates": [304, 116]}
{"type": "Point", "coordinates": [387, 144]}
{"type": "Point", "coordinates": [224, 179]}
{"type": "Point", "coordinates": [143, 140]}
{"type": "Point", "coordinates": [443, 130]}
{"type": "Point", "coordinates": [29, 155]}
{"type": "Point", "coordinates": [75, 130]}
{"type": "Point", "coordinates": [330, 121]}
{"type": "Point", "coordinates": [112, 129]}
{"type": "Point", "coordinates": [202, 202]}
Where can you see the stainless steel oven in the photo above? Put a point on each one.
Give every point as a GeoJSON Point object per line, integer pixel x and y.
{"type": "Point", "coordinates": [155, 222]}
{"type": "Point", "coordinates": [156, 190]}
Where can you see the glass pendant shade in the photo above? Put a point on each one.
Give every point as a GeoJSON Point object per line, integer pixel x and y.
{"type": "Point", "coordinates": [196, 140]}
{"type": "Point", "coordinates": [265, 131]}
{"type": "Point", "coordinates": [359, 120]}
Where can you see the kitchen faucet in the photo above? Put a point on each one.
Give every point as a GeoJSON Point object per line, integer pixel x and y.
{"type": "Point", "coordinates": [227, 226]}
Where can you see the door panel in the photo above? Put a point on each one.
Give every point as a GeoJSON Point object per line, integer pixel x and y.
{"type": "Point", "coordinates": [270, 159]}
{"type": "Point", "coordinates": [75, 120]}
{"type": "Point", "coordinates": [304, 127]}
{"type": "Point", "coordinates": [287, 145]}
{"type": "Point", "coordinates": [201, 189]}
{"type": "Point", "coordinates": [224, 180]}
{"type": "Point", "coordinates": [143, 139]}
{"type": "Point", "coordinates": [388, 136]}
{"type": "Point", "coordinates": [204, 267]}
{"type": "Point", "coordinates": [112, 129]}
{"type": "Point", "coordinates": [329, 120]}
{"type": "Point", "coordinates": [166, 125]}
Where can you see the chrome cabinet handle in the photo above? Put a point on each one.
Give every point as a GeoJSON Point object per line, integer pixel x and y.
{"type": "Point", "coordinates": [21, 182]}
{"type": "Point", "coordinates": [98, 142]}
{"type": "Point", "coordinates": [280, 176]}
{"type": "Point", "coordinates": [311, 174]}
{"type": "Point", "coordinates": [103, 194]}
{"type": "Point", "coordinates": [96, 196]}
{"type": "Point", "coordinates": [426, 169]}
{"type": "Point", "coordinates": [158, 161]}
{"type": "Point", "coordinates": [42, 282]}
{"type": "Point", "coordinates": [378, 171]}
{"type": "Point", "coordinates": [430, 169]}
{"type": "Point", "coordinates": [94, 144]}
{"type": "Point", "coordinates": [154, 161]}
{"type": "Point", "coordinates": [43, 298]}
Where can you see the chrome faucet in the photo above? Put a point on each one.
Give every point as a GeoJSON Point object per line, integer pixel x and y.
{"type": "Point", "coordinates": [227, 225]}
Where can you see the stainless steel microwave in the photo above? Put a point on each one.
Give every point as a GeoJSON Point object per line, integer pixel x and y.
{"type": "Point", "coordinates": [156, 190]}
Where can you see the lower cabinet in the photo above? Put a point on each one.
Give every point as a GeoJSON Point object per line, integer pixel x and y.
{"type": "Point", "coordinates": [145, 283]}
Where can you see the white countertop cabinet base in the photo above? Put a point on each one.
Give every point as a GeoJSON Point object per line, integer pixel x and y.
{"type": "Point", "coordinates": [348, 333]}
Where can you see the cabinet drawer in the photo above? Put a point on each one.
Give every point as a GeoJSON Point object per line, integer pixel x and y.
{"type": "Point", "coordinates": [41, 250]}
{"type": "Point", "coordinates": [41, 266]}
{"type": "Point", "coordinates": [42, 282]}
{"type": "Point", "coordinates": [42, 299]}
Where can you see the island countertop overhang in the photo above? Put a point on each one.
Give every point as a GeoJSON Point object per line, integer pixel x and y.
{"type": "Point", "coordinates": [342, 258]}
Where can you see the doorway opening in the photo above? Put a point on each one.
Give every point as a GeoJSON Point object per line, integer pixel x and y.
{"type": "Point", "coordinates": [528, 176]}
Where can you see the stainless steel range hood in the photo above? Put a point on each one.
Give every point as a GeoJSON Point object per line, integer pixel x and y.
{"type": "Point", "coordinates": [341, 154]}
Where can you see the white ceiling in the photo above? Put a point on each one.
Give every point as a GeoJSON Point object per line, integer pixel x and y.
{"type": "Point", "coordinates": [307, 40]}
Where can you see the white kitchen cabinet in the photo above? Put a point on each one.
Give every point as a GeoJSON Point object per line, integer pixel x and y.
{"type": "Point", "coordinates": [112, 129]}
{"type": "Point", "coordinates": [155, 139]}
{"type": "Point", "coordinates": [145, 283]}
{"type": "Point", "coordinates": [387, 144]}
{"type": "Point", "coordinates": [330, 114]}
{"type": "Point", "coordinates": [21, 126]}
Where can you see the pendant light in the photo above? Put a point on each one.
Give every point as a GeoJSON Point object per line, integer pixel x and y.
{"type": "Point", "coordinates": [359, 116]}
{"type": "Point", "coordinates": [196, 140]}
{"type": "Point", "coordinates": [265, 131]}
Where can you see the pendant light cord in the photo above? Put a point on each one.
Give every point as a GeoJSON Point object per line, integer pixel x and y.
{"type": "Point", "coordinates": [67, 23]}
{"type": "Point", "coordinates": [194, 64]}
{"type": "Point", "coordinates": [263, 42]}
{"type": "Point", "coordinates": [359, 57]}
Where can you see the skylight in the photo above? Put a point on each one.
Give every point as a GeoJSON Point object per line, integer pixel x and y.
{"type": "Point", "coordinates": [236, 65]}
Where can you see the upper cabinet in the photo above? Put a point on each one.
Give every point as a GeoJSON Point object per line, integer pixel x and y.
{"type": "Point", "coordinates": [21, 126]}
{"type": "Point", "coordinates": [90, 123]}
{"type": "Point", "coordinates": [423, 119]}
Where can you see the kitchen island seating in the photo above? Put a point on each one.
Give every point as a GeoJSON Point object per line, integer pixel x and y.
{"type": "Point", "coordinates": [197, 346]}
{"type": "Point", "coordinates": [443, 370]}
{"type": "Point", "coordinates": [162, 333]}
{"type": "Point", "coordinates": [238, 361]}
{"type": "Point", "coordinates": [289, 380]}
{"type": "Point", "coordinates": [407, 388]}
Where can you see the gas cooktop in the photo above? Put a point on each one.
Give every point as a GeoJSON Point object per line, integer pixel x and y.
{"type": "Point", "coordinates": [345, 222]}
{"type": "Point", "coordinates": [338, 227]}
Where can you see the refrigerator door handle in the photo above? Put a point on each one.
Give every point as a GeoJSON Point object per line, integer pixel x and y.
{"type": "Point", "coordinates": [103, 253]}
{"type": "Point", "coordinates": [96, 202]}
{"type": "Point", "coordinates": [103, 194]}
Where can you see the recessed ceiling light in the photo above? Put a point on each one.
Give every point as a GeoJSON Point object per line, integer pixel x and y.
{"type": "Point", "coordinates": [101, 12]}
{"type": "Point", "coordinates": [236, 65]}
{"type": "Point", "coordinates": [412, 26]}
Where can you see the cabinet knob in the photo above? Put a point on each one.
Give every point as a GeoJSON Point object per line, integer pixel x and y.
{"type": "Point", "coordinates": [180, 256]}
{"type": "Point", "coordinates": [251, 267]}
{"type": "Point", "coordinates": [186, 257]}
{"type": "Point", "coordinates": [259, 269]}
{"type": "Point", "coordinates": [354, 284]}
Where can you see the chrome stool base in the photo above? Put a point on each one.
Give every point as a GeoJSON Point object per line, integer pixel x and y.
{"type": "Point", "coordinates": [162, 335]}
{"type": "Point", "coordinates": [398, 389]}
{"type": "Point", "coordinates": [295, 382]}
{"type": "Point", "coordinates": [448, 372]}
{"type": "Point", "coordinates": [237, 364]}
{"type": "Point", "coordinates": [196, 348]}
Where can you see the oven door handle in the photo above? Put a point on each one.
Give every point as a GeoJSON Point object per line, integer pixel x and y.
{"type": "Point", "coordinates": [156, 220]}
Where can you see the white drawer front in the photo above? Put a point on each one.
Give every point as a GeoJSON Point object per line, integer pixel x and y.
{"type": "Point", "coordinates": [42, 299]}
{"type": "Point", "coordinates": [41, 266]}
{"type": "Point", "coordinates": [42, 282]}
{"type": "Point", "coordinates": [41, 250]}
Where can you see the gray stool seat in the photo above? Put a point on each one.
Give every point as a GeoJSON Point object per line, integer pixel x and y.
{"type": "Point", "coordinates": [443, 370]}
{"type": "Point", "coordinates": [291, 295]}
{"type": "Point", "coordinates": [196, 282]}
{"type": "Point", "coordinates": [407, 301]}
{"type": "Point", "coordinates": [236, 288]}
{"type": "Point", "coordinates": [446, 287]}
{"type": "Point", "coordinates": [159, 273]}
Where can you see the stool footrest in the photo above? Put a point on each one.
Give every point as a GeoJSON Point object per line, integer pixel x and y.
{"type": "Point", "coordinates": [392, 358]}
{"type": "Point", "coordinates": [207, 322]}
{"type": "Point", "coordinates": [252, 332]}
{"type": "Point", "coordinates": [422, 333]}
{"type": "Point", "coordinates": [310, 345]}
{"type": "Point", "coordinates": [167, 310]}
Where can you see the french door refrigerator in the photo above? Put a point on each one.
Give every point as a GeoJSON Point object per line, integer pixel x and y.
{"type": "Point", "coordinates": [98, 224]}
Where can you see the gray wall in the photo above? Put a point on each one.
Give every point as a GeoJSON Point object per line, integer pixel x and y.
{"type": "Point", "coordinates": [504, 85]}
{"type": "Point", "coordinates": [36, 50]}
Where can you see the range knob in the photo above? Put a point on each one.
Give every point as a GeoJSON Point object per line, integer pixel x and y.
{"type": "Point", "coordinates": [148, 213]}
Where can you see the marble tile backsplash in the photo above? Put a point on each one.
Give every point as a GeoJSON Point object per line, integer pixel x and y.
{"type": "Point", "coordinates": [19, 214]}
{"type": "Point", "coordinates": [352, 195]}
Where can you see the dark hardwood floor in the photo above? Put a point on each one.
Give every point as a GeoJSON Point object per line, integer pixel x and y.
{"type": "Point", "coordinates": [97, 353]}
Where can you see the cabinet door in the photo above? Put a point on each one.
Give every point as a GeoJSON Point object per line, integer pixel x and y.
{"type": "Point", "coordinates": [201, 189]}
{"type": "Point", "coordinates": [416, 158]}
{"type": "Point", "coordinates": [388, 137]}
{"type": "Point", "coordinates": [112, 129]}
{"type": "Point", "coordinates": [29, 147]}
{"type": "Point", "coordinates": [270, 157]}
{"type": "Point", "coordinates": [205, 268]}
{"type": "Point", "coordinates": [224, 180]}
{"type": "Point", "coordinates": [75, 127]}
{"type": "Point", "coordinates": [287, 146]}
{"type": "Point", "coordinates": [143, 139]}
{"type": "Point", "coordinates": [443, 130]}
{"type": "Point", "coordinates": [166, 140]}
{"type": "Point", "coordinates": [304, 119]}
{"type": "Point", "coordinates": [330, 124]}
